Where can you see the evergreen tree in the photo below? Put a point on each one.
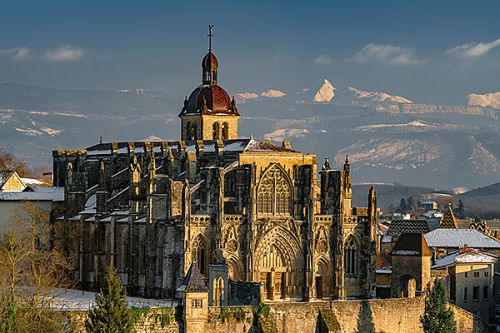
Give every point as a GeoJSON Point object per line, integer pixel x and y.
{"type": "Point", "coordinates": [438, 317]}
{"type": "Point", "coordinates": [412, 203]}
{"type": "Point", "coordinates": [111, 313]}
{"type": "Point", "coordinates": [460, 210]}
{"type": "Point", "coordinates": [403, 206]}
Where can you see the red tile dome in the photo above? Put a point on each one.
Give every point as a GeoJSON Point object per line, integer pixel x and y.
{"type": "Point", "coordinates": [209, 99]}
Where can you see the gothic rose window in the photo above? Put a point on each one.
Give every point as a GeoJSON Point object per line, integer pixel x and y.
{"type": "Point", "coordinates": [274, 193]}
{"type": "Point", "coordinates": [350, 257]}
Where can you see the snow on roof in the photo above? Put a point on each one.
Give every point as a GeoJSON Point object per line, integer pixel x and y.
{"type": "Point", "coordinates": [72, 299]}
{"type": "Point", "coordinates": [209, 148]}
{"type": "Point", "coordinates": [384, 270]}
{"type": "Point", "coordinates": [38, 193]}
{"type": "Point", "coordinates": [90, 205]}
{"type": "Point", "coordinates": [254, 145]}
{"type": "Point", "coordinates": [457, 238]}
{"type": "Point", "coordinates": [119, 172]}
{"type": "Point", "coordinates": [91, 202]}
{"type": "Point", "coordinates": [231, 165]}
{"type": "Point", "coordinates": [470, 256]}
{"type": "Point", "coordinates": [118, 194]}
{"type": "Point", "coordinates": [120, 212]}
{"type": "Point", "coordinates": [37, 182]}
{"type": "Point", "coordinates": [237, 146]}
{"type": "Point", "coordinates": [99, 152]}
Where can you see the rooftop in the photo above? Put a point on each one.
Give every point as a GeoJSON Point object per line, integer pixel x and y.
{"type": "Point", "coordinates": [457, 238]}
{"type": "Point", "coordinates": [397, 227]}
{"type": "Point", "coordinates": [464, 256]}
{"type": "Point", "coordinates": [38, 193]}
{"type": "Point", "coordinates": [411, 245]}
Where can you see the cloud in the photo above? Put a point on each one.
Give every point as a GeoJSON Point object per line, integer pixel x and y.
{"type": "Point", "coordinates": [271, 93]}
{"type": "Point", "coordinates": [17, 53]}
{"type": "Point", "coordinates": [387, 54]}
{"type": "Point", "coordinates": [323, 59]}
{"type": "Point", "coordinates": [474, 49]}
{"type": "Point", "coordinates": [247, 96]}
{"type": "Point", "coordinates": [243, 97]}
{"type": "Point", "coordinates": [65, 53]}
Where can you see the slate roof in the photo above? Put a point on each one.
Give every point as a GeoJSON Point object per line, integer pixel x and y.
{"type": "Point", "coordinates": [37, 193]}
{"type": "Point", "coordinates": [231, 146]}
{"type": "Point", "coordinates": [194, 281]}
{"type": "Point", "coordinates": [4, 176]}
{"type": "Point", "coordinates": [448, 220]}
{"type": "Point", "coordinates": [399, 227]}
{"type": "Point", "coordinates": [457, 238]}
{"type": "Point", "coordinates": [464, 256]}
{"type": "Point", "coordinates": [411, 245]}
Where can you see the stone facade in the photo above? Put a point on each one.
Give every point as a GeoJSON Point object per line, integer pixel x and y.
{"type": "Point", "coordinates": [212, 199]}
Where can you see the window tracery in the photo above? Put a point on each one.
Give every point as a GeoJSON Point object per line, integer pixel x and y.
{"type": "Point", "coordinates": [198, 254]}
{"type": "Point", "coordinates": [274, 193]}
{"type": "Point", "coordinates": [350, 257]}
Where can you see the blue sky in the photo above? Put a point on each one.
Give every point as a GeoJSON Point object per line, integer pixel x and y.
{"type": "Point", "coordinates": [428, 51]}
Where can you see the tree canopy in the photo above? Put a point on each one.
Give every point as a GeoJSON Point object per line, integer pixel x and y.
{"type": "Point", "coordinates": [438, 317]}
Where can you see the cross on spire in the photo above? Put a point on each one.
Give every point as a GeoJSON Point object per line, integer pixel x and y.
{"type": "Point", "coordinates": [210, 35]}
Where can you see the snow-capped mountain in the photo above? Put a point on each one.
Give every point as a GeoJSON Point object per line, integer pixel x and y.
{"type": "Point", "coordinates": [325, 93]}
{"type": "Point", "coordinates": [387, 138]}
{"type": "Point", "coordinates": [491, 100]}
{"type": "Point", "coordinates": [367, 97]}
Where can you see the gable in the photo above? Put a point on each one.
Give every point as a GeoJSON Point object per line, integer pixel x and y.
{"type": "Point", "coordinates": [13, 183]}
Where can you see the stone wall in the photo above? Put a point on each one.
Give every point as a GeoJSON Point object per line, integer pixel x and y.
{"type": "Point", "coordinates": [383, 315]}
{"type": "Point", "coordinates": [228, 321]}
{"type": "Point", "coordinates": [147, 323]}
{"type": "Point", "coordinates": [380, 316]}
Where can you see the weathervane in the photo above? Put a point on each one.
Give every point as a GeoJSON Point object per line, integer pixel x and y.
{"type": "Point", "coordinates": [210, 35]}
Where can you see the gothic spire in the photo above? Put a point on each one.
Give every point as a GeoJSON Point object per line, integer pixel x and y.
{"type": "Point", "coordinates": [326, 165]}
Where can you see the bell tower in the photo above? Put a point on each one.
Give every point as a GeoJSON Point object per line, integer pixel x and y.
{"type": "Point", "coordinates": [209, 113]}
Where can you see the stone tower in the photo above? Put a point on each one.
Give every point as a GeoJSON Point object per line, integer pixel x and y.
{"type": "Point", "coordinates": [209, 113]}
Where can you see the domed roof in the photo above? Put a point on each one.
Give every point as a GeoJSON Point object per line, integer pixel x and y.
{"type": "Point", "coordinates": [210, 61]}
{"type": "Point", "coordinates": [209, 99]}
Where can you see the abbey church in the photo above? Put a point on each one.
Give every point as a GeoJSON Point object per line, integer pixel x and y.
{"type": "Point", "coordinates": [235, 209]}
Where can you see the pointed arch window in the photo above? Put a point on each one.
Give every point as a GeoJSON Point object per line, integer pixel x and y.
{"type": "Point", "coordinates": [199, 254]}
{"type": "Point", "coordinates": [350, 257]}
{"type": "Point", "coordinates": [216, 131]}
{"type": "Point", "coordinates": [188, 130]}
{"type": "Point", "coordinates": [193, 132]}
{"type": "Point", "coordinates": [274, 193]}
{"type": "Point", "coordinates": [225, 131]}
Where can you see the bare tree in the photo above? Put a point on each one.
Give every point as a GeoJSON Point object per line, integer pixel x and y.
{"type": "Point", "coordinates": [31, 267]}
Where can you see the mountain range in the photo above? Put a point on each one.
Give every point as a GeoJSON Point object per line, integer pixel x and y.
{"type": "Point", "coordinates": [388, 138]}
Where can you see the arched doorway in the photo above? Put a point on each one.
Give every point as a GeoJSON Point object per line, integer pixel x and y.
{"type": "Point", "coordinates": [278, 265]}
{"type": "Point", "coordinates": [322, 278]}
